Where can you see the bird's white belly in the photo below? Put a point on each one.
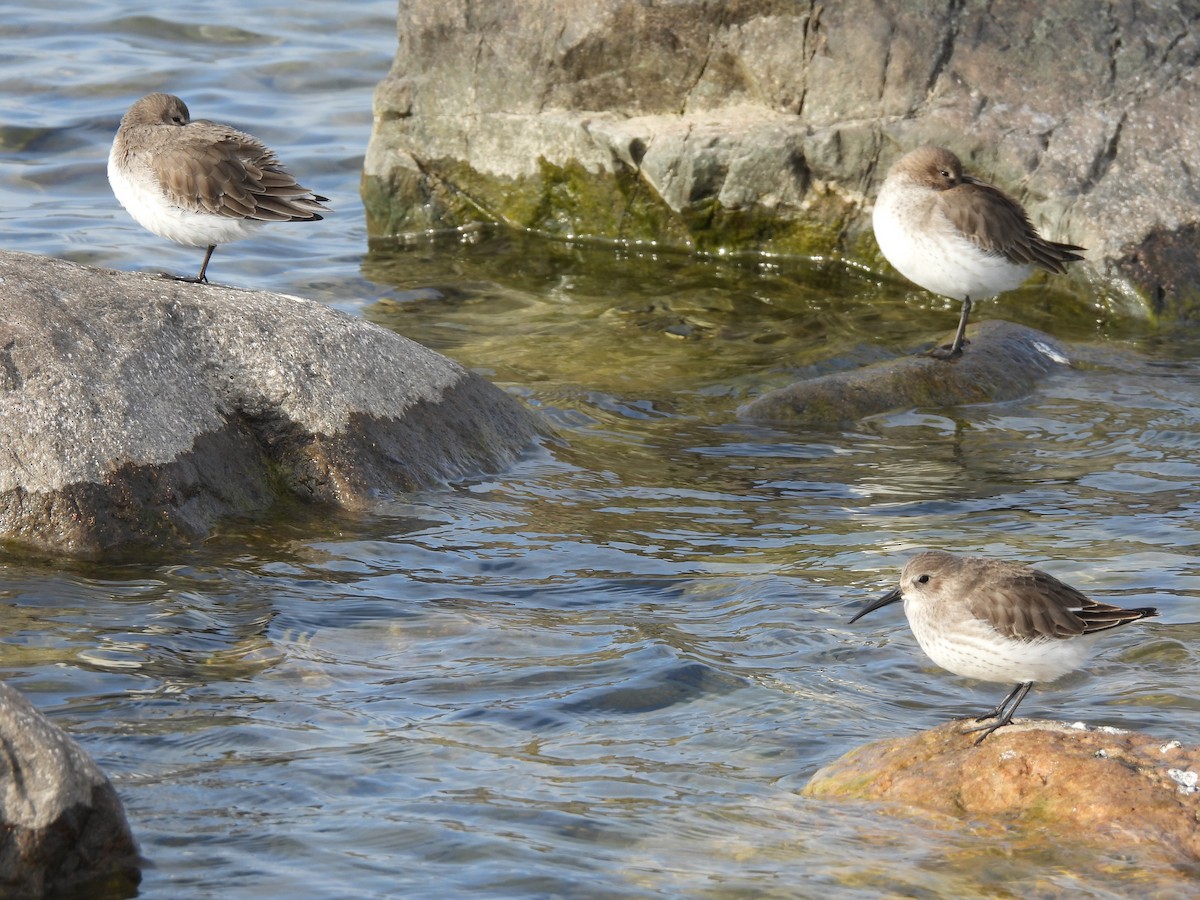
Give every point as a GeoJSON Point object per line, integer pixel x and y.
{"type": "Point", "coordinates": [975, 650]}
{"type": "Point", "coordinates": [929, 252]}
{"type": "Point", "coordinates": [149, 207]}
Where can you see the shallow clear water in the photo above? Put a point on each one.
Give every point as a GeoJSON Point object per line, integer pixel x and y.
{"type": "Point", "coordinates": [609, 671]}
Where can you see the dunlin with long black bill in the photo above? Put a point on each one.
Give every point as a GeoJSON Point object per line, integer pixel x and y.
{"type": "Point", "coordinates": [999, 621]}
{"type": "Point", "coordinates": [958, 236]}
{"type": "Point", "coordinates": [199, 183]}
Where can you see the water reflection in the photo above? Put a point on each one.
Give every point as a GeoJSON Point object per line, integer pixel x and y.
{"type": "Point", "coordinates": [620, 320]}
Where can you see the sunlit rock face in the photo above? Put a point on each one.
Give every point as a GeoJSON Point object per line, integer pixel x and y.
{"type": "Point", "coordinates": [139, 411]}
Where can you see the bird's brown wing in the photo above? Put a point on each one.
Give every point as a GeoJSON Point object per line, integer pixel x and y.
{"type": "Point", "coordinates": [231, 174]}
{"type": "Point", "coordinates": [995, 222]}
{"type": "Point", "coordinates": [1030, 605]}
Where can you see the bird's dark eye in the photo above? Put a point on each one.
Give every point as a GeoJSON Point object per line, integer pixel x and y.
{"type": "Point", "coordinates": [178, 120]}
{"type": "Point", "coordinates": [946, 173]}
{"type": "Point", "coordinates": [922, 579]}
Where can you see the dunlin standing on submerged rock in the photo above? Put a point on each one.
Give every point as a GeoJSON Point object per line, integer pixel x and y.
{"type": "Point", "coordinates": [199, 183]}
{"type": "Point", "coordinates": [999, 621]}
{"type": "Point", "coordinates": [957, 236]}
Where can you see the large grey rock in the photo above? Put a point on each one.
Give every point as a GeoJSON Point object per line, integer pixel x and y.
{"type": "Point", "coordinates": [1003, 361]}
{"type": "Point", "coordinates": [768, 124]}
{"type": "Point", "coordinates": [136, 409]}
{"type": "Point", "coordinates": [63, 826]}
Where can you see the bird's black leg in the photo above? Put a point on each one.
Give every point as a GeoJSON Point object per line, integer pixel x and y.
{"type": "Point", "coordinates": [955, 348]}
{"type": "Point", "coordinates": [199, 279]}
{"type": "Point", "coordinates": [1000, 714]}
{"type": "Point", "coordinates": [994, 713]}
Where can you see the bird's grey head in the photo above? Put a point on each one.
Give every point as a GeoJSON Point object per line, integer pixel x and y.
{"type": "Point", "coordinates": [930, 166]}
{"type": "Point", "coordinates": [924, 573]}
{"type": "Point", "coordinates": [158, 109]}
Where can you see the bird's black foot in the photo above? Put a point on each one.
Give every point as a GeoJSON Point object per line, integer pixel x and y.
{"type": "Point", "coordinates": [947, 351]}
{"type": "Point", "coordinates": [185, 279]}
{"type": "Point", "coordinates": [970, 718]}
{"type": "Point", "coordinates": [987, 729]}
{"type": "Point", "coordinates": [1003, 713]}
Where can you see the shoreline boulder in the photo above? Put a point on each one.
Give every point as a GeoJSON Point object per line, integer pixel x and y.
{"type": "Point", "coordinates": [64, 828]}
{"type": "Point", "coordinates": [138, 410]}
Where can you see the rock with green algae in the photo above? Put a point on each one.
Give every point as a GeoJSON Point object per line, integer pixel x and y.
{"type": "Point", "coordinates": [1121, 792]}
{"type": "Point", "coordinates": [766, 126]}
{"type": "Point", "coordinates": [1002, 362]}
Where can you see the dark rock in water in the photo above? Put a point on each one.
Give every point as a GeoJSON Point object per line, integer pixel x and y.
{"type": "Point", "coordinates": [137, 410]}
{"type": "Point", "coordinates": [64, 830]}
{"type": "Point", "coordinates": [1123, 794]}
{"type": "Point", "coordinates": [1003, 361]}
{"type": "Point", "coordinates": [659, 690]}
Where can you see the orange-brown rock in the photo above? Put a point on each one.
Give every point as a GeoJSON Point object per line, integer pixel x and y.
{"type": "Point", "coordinates": [1037, 780]}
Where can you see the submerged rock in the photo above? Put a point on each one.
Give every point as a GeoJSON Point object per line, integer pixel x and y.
{"type": "Point", "coordinates": [1105, 788]}
{"type": "Point", "coordinates": [64, 830]}
{"type": "Point", "coordinates": [139, 410]}
{"type": "Point", "coordinates": [1003, 361]}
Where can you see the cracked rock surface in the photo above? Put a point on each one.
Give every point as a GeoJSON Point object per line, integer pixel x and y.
{"type": "Point", "coordinates": [768, 125]}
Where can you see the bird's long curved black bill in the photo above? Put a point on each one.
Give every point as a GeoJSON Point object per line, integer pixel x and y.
{"type": "Point", "coordinates": [890, 597]}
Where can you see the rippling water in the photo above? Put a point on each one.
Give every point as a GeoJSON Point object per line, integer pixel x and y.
{"type": "Point", "coordinates": [609, 671]}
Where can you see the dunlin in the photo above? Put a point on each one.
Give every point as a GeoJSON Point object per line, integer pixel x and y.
{"type": "Point", "coordinates": [200, 184]}
{"type": "Point", "coordinates": [957, 236]}
{"type": "Point", "coordinates": [999, 621]}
